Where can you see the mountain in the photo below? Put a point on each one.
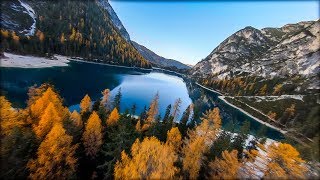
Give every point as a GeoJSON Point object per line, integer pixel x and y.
{"type": "Point", "coordinates": [149, 55]}
{"type": "Point", "coordinates": [158, 60]}
{"type": "Point", "coordinates": [290, 51]}
{"type": "Point", "coordinates": [114, 18]}
{"type": "Point", "coordinates": [81, 28]}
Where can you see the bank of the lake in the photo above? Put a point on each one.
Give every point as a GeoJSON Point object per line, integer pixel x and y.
{"type": "Point", "coordinates": [138, 87]}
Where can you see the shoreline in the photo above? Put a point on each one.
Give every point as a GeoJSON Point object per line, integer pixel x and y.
{"type": "Point", "coordinates": [222, 97]}
{"type": "Point", "coordinates": [11, 60]}
{"type": "Point", "coordinates": [105, 64]}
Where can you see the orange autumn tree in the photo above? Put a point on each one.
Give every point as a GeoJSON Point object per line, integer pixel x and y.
{"type": "Point", "coordinates": [92, 136]}
{"type": "Point", "coordinates": [55, 156]}
{"type": "Point", "coordinates": [174, 138]}
{"type": "Point", "coordinates": [113, 117]}
{"type": "Point", "coordinates": [199, 142]}
{"type": "Point", "coordinates": [152, 112]}
{"type": "Point", "coordinates": [283, 161]}
{"type": "Point", "coordinates": [85, 104]}
{"type": "Point", "coordinates": [75, 117]}
{"type": "Point", "coordinates": [48, 119]}
{"type": "Point", "coordinates": [38, 107]}
{"type": "Point", "coordinates": [225, 168]}
{"type": "Point", "coordinates": [8, 116]}
{"type": "Point", "coordinates": [150, 159]}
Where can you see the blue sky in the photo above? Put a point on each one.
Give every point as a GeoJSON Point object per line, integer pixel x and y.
{"type": "Point", "coordinates": [189, 31]}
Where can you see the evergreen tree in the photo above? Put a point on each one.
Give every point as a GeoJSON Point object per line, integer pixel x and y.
{"type": "Point", "coordinates": [117, 100]}
{"type": "Point", "coordinates": [167, 114]}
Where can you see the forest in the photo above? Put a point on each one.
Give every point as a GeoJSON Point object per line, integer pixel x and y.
{"type": "Point", "coordinates": [84, 31]}
{"type": "Point", "coordinates": [46, 140]}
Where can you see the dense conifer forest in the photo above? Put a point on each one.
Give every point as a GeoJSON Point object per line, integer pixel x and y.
{"type": "Point", "coordinates": [73, 28]}
{"type": "Point", "coordinates": [47, 140]}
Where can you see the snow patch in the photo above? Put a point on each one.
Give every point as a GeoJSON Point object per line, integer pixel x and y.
{"type": "Point", "coordinates": [32, 14]}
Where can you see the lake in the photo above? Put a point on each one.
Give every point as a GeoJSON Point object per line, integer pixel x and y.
{"type": "Point", "coordinates": [137, 87]}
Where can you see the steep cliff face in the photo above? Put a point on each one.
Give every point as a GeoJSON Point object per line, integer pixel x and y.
{"type": "Point", "coordinates": [287, 51]}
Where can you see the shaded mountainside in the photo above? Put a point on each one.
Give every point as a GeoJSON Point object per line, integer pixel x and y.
{"type": "Point", "coordinates": [73, 28]}
{"type": "Point", "coordinates": [158, 60]}
{"type": "Point", "coordinates": [291, 51]}
{"type": "Point", "coordinates": [152, 57]}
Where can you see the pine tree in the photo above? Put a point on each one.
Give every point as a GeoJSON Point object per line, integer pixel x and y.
{"type": "Point", "coordinates": [167, 114]}
{"type": "Point", "coordinates": [113, 117]}
{"type": "Point", "coordinates": [117, 100]}
{"type": "Point", "coordinates": [55, 156]}
{"type": "Point", "coordinates": [92, 136]}
{"type": "Point", "coordinates": [147, 162]}
{"type": "Point", "coordinates": [176, 109]}
{"type": "Point", "coordinates": [85, 104]}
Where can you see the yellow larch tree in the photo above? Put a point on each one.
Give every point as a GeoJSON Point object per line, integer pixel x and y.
{"type": "Point", "coordinates": [150, 159]}
{"type": "Point", "coordinates": [199, 142]}
{"type": "Point", "coordinates": [48, 119]}
{"type": "Point", "coordinates": [263, 90]}
{"type": "Point", "coordinates": [113, 117]}
{"type": "Point", "coordinates": [284, 162]}
{"type": "Point", "coordinates": [174, 138]}
{"type": "Point", "coordinates": [85, 104]}
{"type": "Point", "coordinates": [225, 168]}
{"type": "Point", "coordinates": [277, 89]}
{"type": "Point", "coordinates": [8, 116]}
{"type": "Point", "coordinates": [92, 136]}
{"type": "Point", "coordinates": [138, 126]}
{"type": "Point", "coordinates": [75, 117]}
{"type": "Point", "coordinates": [55, 156]}
{"type": "Point", "coordinates": [152, 112]}
{"type": "Point", "coordinates": [49, 96]}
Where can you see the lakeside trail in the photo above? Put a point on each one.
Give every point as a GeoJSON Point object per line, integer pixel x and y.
{"type": "Point", "coordinates": [222, 97]}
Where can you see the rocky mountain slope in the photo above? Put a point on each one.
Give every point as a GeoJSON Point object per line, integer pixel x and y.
{"type": "Point", "coordinates": [158, 60]}
{"type": "Point", "coordinates": [290, 51]}
{"type": "Point", "coordinates": [152, 57]}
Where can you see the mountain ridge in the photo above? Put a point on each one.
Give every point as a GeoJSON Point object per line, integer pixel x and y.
{"type": "Point", "coordinates": [291, 50]}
